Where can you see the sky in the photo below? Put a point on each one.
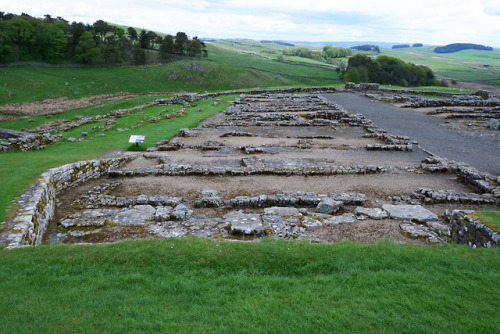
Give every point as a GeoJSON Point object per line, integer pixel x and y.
{"type": "Point", "coordinates": [434, 22]}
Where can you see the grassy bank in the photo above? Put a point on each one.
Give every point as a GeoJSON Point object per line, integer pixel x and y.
{"type": "Point", "coordinates": [200, 286]}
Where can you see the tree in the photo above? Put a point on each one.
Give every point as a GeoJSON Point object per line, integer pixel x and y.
{"type": "Point", "coordinates": [22, 34]}
{"type": "Point", "coordinates": [101, 29]}
{"type": "Point", "coordinates": [125, 46]}
{"type": "Point", "coordinates": [87, 51]}
{"type": "Point", "coordinates": [111, 52]}
{"type": "Point", "coordinates": [5, 48]}
{"type": "Point", "coordinates": [54, 43]}
{"type": "Point", "coordinates": [132, 34]}
{"type": "Point", "coordinates": [353, 75]}
{"type": "Point", "coordinates": [151, 39]}
{"type": "Point", "coordinates": [330, 52]}
{"type": "Point", "coordinates": [76, 31]}
{"type": "Point", "coordinates": [193, 47]}
{"type": "Point", "coordinates": [166, 47]}
{"type": "Point", "coordinates": [138, 55]}
{"type": "Point", "coordinates": [180, 43]}
{"type": "Point", "coordinates": [143, 39]}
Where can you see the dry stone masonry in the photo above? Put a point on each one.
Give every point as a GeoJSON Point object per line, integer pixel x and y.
{"type": "Point", "coordinates": [283, 164]}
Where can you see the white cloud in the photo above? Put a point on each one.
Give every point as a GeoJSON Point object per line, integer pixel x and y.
{"type": "Point", "coordinates": [426, 21]}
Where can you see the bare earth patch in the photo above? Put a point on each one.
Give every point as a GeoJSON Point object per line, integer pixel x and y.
{"type": "Point", "coordinates": [57, 106]}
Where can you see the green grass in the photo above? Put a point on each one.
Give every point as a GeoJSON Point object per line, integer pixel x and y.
{"type": "Point", "coordinates": [490, 218]}
{"type": "Point", "coordinates": [223, 70]}
{"type": "Point", "coordinates": [19, 169]}
{"type": "Point", "coordinates": [200, 286]}
{"type": "Point", "coordinates": [465, 65]}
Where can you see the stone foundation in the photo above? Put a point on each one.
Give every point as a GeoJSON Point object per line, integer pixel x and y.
{"type": "Point", "coordinates": [468, 231]}
{"type": "Point", "coordinates": [37, 205]}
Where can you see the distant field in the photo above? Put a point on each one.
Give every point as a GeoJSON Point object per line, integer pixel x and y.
{"type": "Point", "coordinates": [467, 65]}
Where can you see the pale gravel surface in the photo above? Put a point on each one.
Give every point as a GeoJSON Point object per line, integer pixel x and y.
{"type": "Point", "coordinates": [482, 153]}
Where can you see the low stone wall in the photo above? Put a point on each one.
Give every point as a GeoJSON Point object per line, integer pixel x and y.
{"type": "Point", "coordinates": [181, 98]}
{"type": "Point", "coordinates": [25, 141]}
{"type": "Point", "coordinates": [38, 203]}
{"type": "Point", "coordinates": [466, 230]}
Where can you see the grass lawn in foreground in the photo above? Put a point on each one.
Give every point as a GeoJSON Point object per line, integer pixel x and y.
{"type": "Point", "coordinates": [201, 286]}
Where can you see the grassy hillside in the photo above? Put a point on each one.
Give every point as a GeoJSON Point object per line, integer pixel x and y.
{"type": "Point", "coordinates": [223, 70]}
{"type": "Point", "coordinates": [466, 65]}
{"type": "Point", "coordinates": [202, 286]}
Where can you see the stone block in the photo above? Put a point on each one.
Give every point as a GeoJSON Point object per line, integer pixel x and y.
{"type": "Point", "coordinates": [328, 205]}
{"type": "Point", "coordinates": [281, 211]}
{"type": "Point", "coordinates": [409, 212]}
{"type": "Point", "coordinates": [373, 213]}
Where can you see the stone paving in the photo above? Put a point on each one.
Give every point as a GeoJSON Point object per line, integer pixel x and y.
{"type": "Point", "coordinates": [291, 166]}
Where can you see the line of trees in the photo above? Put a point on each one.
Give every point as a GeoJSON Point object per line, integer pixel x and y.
{"type": "Point", "coordinates": [461, 46]}
{"type": "Point", "coordinates": [328, 54]}
{"type": "Point", "coordinates": [389, 71]}
{"type": "Point", "coordinates": [367, 47]}
{"type": "Point", "coordinates": [55, 40]}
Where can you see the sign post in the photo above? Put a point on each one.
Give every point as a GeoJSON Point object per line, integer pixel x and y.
{"type": "Point", "coordinates": [136, 139]}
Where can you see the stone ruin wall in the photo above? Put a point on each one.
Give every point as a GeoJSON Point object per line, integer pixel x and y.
{"type": "Point", "coordinates": [466, 230]}
{"type": "Point", "coordinates": [25, 141]}
{"type": "Point", "coordinates": [37, 205]}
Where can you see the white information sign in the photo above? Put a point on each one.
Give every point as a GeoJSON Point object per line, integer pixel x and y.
{"type": "Point", "coordinates": [134, 139]}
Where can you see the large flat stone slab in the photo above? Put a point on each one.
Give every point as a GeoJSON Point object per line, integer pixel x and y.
{"type": "Point", "coordinates": [244, 224]}
{"type": "Point", "coordinates": [373, 213]}
{"type": "Point", "coordinates": [410, 212]}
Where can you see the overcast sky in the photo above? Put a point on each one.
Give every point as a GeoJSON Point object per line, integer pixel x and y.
{"type": "Point", "coordinates": [437, 22]}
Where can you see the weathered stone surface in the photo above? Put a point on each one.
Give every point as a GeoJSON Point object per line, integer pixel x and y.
{"type": "Point", "coordinates": [211, 199]}
{"type": "Point", "coordinates": [420, 231]}
{"type": "Point", "coordinates": [346, 218]}
{"type": "Point", "coordinates": [184, 132]}
{"type": "Point", "coordinates": [180, 212]}
{"type": "Point", "coordinates": [281, 211]}
{"type": "Point", "coordinates": [494, 124]}
{"type": "Point", "coordinates": [442, 229]}
{"type": "Point", "coordinates": [373, 213]}
{"type": "Point", "coordinates": [137, 215]}
{"type": "Point", "coordinates": [328, 205]}
{"type": "Point", "coordinates": [244, 224]}
{"type": "Point", "coordinates": [163, 213]}
{"type": "Point", "coordinates": [465, 229]}
{"type": "Point", "coordinates": [409, 212]}
{"type": "Point", "coordinates": [310, 222]}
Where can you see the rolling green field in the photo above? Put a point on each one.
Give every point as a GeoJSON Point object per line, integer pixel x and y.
{"type": "Point", "coordinates": [223, 70]}
{"type": "Point", "coordinates": [466, 65]}
{"type": "Point", "coordinates": [200, 286]}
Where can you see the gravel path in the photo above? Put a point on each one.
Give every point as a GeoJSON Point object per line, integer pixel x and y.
{"type": "Point", "coordinates": [482, 153]}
